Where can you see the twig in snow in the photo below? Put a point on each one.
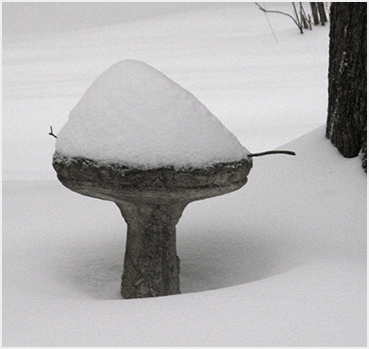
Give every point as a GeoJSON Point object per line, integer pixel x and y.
{"type": "Point", "coordinates": [51, 133]}
{"type": "Point", "coordinates": [270, 25]}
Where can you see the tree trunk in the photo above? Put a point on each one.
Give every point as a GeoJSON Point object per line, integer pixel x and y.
{"type": "Point", "coordinates": [314, 12]}
{"type": "Point", "coordinates": [346, 122]}
{"type": "Point", "coordinates": [151, 265]}
{"type": "Point", "coordinates": [322, 15]}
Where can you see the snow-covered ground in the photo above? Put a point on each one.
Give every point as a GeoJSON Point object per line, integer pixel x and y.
{"type": "Point", "coordinates": [281, 262]}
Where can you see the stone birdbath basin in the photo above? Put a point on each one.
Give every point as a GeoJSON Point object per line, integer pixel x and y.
{"type": "Point", "coordinates": [140, 140]}
{"type": "Point", "coordinates": [151, 202]}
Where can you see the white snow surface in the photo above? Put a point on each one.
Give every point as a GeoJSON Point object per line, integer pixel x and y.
{"type": "Point", "coordinates": [134, 115]}
{"type": "Point", "coordinates": [280, 262]}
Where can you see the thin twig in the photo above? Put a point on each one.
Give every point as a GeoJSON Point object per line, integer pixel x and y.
{"type": "Point", "coordinates": [283, 13]}
{"type": "Point", "coordinates": [287, 152]}
{"type": "Point", "coordinates": [51, 133]}
{"type": "Point", "coordinates": [304, 17]}
{"type": "Point", "coordinates": [271, 28]}
{"type": "Point", "coordinates": [297, 17]}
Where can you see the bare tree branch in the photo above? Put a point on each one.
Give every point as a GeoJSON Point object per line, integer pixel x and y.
{"type": "Point", "coordinates": [304, 18]}
{"type": "Point", "coordinates": [297, 18]}
{"type": "Point", "coordinates": [283, 13]}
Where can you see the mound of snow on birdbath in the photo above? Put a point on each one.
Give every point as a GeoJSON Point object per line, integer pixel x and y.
{"type": "Point", "coordinates": [134, 115]}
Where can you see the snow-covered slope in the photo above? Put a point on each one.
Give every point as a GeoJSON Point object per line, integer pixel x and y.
{"type": "Point", "coordinates": [281, 262]}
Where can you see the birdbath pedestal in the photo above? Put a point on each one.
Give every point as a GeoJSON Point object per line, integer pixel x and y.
{"type": "Point", "coordinates": [151, 202]}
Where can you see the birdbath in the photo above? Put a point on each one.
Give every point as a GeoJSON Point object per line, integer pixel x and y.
{"type": "Point", "coordinates": [151, 202]}
{"type": "Point", "coordinates": [140, 140]}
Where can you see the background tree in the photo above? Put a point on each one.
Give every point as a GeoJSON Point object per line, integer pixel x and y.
{"type": "Point", "coordinates": [318, 10]}
{"type": "Point", "coordinates": [346, 122]}
{"type": "Point", "coordinates": [322, 15]}
{"type": "Point", "coordinates": [314, 12]}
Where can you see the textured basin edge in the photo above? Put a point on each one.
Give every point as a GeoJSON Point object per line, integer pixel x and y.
{"type": "Point", "coordinates": [83, 169]}
{"type": "Point", "coordinates": [116, 182]}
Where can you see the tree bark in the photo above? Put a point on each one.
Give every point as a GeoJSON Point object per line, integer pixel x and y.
{"type": "Point", "coordinates": [363, 154]}
{"type": "Point", "coordinates": [347, 111]}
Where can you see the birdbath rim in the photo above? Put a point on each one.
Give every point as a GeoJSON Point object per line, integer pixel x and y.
{"type": "Point", "coordinates": [119, 182]}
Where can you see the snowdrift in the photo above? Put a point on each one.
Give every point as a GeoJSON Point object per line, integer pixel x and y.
{"type": "Point", "coordinates": [281, 262]}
